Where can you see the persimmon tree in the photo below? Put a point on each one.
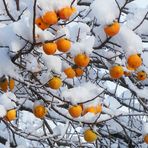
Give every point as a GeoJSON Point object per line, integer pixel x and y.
{"type": "Point", "coordinates": [73, 73]}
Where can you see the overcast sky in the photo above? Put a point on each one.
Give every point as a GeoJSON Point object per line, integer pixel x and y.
{"type": "Point", "coordinates": [142, 3]}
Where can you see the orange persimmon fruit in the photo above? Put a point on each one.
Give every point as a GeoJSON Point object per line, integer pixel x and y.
{"type": "Point", "coordinates": [112, 29]}
{"type": "Point", "coordinates": [63, 45]}
{"type": "Point", "coordinates": [116, 72]}
{"type": "Point", "coordinates": [134, 61]}
{"type": "Point", "coordinates": [70, 73]}
{"type": "Point", "coordinates": [11, 115]}
{"type": "Point", "coordinates": [65, 13]}
{"type": "Point", "coordinates": [50, 18]}
{"type": "Point", "coordinates": [79, 72]}
{"type": "Point", "coordinates": [90, 136]}
{"type": "Point", "coordinates": [4, 85]}
{"type": "Point", "coordinates": [81, 60]}
{"type": "Point", "coordinates": [146, 138]}
{"type": "Point", "coordinates": [11, 84]}
{"type": "Point", "coordinates": [41, 24]}
{"type": "Point", "coordinates": [55, 83]}
{"type": "Point", "coordinates": [50, 48]}
{"type": "Point", "coordinates": [141, 75]}
{"type": "Point", "coordinates": [39, 111]}
{"type": "Point", "coordinates": [75, 111]}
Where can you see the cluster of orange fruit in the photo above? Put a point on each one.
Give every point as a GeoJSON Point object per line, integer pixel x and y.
{"type": "Point", "coordinates": [140, 75]}
{"type": "Point", "coordinates": [63, 45]}
{"type": "Point", "coordinates": [134, 62]}
{"type": "Point", "coordinates": [72, 72]}
{"type": "Point", "coordinates": [78, 110]}
{"type": "Point", "coordinates": [81, 60]}
{"type": "Point", "coordinates": [51, 17]}
{"type": "Point", "coordinates": [75, 111]}
{"type": "Point", "coordinates": [6, 84]}
{"type": "Point", "coordinates": [89, 135]}
{"type": "Point", "coordinates": [39, 111]}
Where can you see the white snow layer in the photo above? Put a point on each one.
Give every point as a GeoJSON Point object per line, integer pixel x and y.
{"type": "Point", "coordinates": [105, 11]}
{"type": "Point", "coordinates": [82, 93]}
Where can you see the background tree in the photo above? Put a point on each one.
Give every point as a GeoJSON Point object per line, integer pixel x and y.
{"type": "Point", "coordinates": [73, 73]}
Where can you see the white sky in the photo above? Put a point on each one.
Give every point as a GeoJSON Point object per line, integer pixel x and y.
{"type": "Point", "coordinates": [142, 3]}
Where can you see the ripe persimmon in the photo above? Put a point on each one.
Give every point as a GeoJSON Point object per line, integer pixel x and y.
{"type": "Point", "coordinates": [112, 29]}
{"type": "Point", "coordinates": [90, 109]}
{"type": "Point", "coordinates": [50, 48]}
{"type": "Point", "coordinates": [75, 111]}
{"type": "Point", "coordinates": [55, 83]}
{"type": "Point", "coordinates": [73, 9]}
{"type": "Point", "coordinates": [90, 136]}
{"type": "Point", "coordinates": [63, 45]}
{"type": "Point", "coordinates": [65, 13]}
{"type": "Point", "coordinates": [116, 72]}
{"type": "Point", "coordinates": [81, 60]}
{"type": "Point", "coordinates": [11, 115]}
{"type": "Point", "coordinates": [146, 138]}
{"type": "Point", "coordinates": [11, 84]}
{"type": "Point", "coordinates": [50, 18]}
{"type": "Point", "coordinates": [70, 73]}
{"type": "Point", "coordinates": [79, 72]}
{"type": "Point", "coordinates": [40, 111]}
{"type": "Point", "coordinates": [134, 61]}
{"type": "Point", "coordinates": [93, 109]}
{"type": "Point", "coordinates": [39, 22]}
{"type": "Point", "coordinates": [99, 108]}
{"type": "Point", "coordinates": [141, 75]}
{"type": "Point", "coordinates": [4, 85]}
